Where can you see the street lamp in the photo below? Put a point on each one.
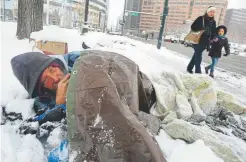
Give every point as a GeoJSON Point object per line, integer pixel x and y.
{"type": "Point", "coordinates": [4, 10]}
{"type": "Point", "coordinates": [123, 23]}
{"type": "Point", "coordinates": [165, 13]}
{"type": "Point", "coordinates": [85, 27]}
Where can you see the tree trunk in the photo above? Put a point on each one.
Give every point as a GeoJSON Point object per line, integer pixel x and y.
{"type": "Point", "coordinates": [22, 30]}
{"type": "Point", "coordinates": [38, 14]}
{"type": "Point", "coordinates": [30, 17]}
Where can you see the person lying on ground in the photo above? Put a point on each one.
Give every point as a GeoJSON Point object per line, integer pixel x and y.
{"type": "Point", "coordinates": [46, 80]}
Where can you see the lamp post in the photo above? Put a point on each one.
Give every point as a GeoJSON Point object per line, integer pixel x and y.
{"type": "Point", "coordinates": [165, 13]}
{"type": "Point", "coordinates": [47, 13]}
{"type": "Point", "coordinates": [123, 21]}
{"type": "Point", "coordinates": [85, 27]}
{"type": "Point", "coordinates": [3, 10]}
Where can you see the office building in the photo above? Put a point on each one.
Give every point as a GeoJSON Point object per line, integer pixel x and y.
{"type": "Point", "coordinates": [179, 12]}
{"type": "Point", "coordinates": [235, 20]}
{"type": "Point", "coordinates": [132, 20]}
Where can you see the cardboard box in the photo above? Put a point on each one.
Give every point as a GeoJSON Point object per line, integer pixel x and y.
{"type": "Point", "coordinates": [52, 47]}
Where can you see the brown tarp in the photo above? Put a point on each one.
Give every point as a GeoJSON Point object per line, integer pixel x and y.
{"type": "Point", "coordinates": [105, 94]}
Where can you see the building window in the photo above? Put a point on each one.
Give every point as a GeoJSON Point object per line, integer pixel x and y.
{"type": "Point", "coordinates": [192, 3]}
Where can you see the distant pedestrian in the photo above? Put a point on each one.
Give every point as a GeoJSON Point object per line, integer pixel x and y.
{"type": "Point", "coordinates": [146, 36]}
{"type": "Point", "coordinates": [207, 23]}
{"type": "Point", "coordinates": [218, 43]}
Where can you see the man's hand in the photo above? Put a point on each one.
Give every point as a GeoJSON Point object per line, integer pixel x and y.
{"type": "Point", "coordinates": [62, 90]}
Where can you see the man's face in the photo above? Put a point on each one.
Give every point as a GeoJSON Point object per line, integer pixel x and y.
{"type": "Point", "coordinates": [51, 77]}
{"type": "Point", "coordinates": [221, 32]}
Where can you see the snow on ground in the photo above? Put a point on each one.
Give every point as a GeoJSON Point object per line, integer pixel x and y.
{"type": "Point", "coordinates": [242, 54]}
{"type": "Point", "coordinates": [15, 147]}
{"type": "Point", "coordinates": [179, 151]}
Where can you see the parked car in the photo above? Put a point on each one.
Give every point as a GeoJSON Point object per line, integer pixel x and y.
{"type": "Point", "coordinates": [233, 51]}
{"type": "Point", "coordinates": [167, 39]}
{"type": "Point", "coordinates": [174, 40]}
{"type": "Point", "coordinates": [182, 41]}
{"type": "Point", "coordinates": [115, 33]}
{"type": "Point", "coordinates": [187, 44]}
{"type": "Point", "coordinates": [171, 38]}
{"type": "Point", "coordinates": [182, 38]}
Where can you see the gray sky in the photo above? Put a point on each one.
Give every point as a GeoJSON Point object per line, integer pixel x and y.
{"type": "Point", "coordinates": [116, 8]}
{"type": "Point", "coordinates": [237, 4]}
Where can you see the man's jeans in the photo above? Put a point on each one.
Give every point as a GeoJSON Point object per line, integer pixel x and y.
{"type": "Point", "coordinates": [197, 58]}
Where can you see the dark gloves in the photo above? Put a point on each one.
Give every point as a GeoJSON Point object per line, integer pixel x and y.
{"type": "Point", "coordinates": [28, 127]}
{"type": "Point", "coordinates": [55, 114]}
{"type": "Point", "coordinates": [31, 126]}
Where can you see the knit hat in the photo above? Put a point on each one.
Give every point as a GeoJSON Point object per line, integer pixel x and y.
{"type": "Point", "coordinates": [221, 27]}
{"type": "Point", "coordinates": [210, 8]}
{"type": "Point", "coordinates": [28, 68]}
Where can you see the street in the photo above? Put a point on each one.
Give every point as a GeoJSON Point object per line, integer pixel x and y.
{"type": "Point", "coordinates": [232, 63]}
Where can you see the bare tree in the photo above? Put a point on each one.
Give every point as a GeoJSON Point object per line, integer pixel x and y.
{"type": "Point", "coordinates": [30, 17]}
{"type": "Point", "coordinates": [38, 12]}
{"type": "Point", "coordinates": [57, 15]}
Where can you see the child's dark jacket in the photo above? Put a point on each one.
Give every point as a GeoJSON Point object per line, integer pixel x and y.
{"type": "Point", "coordinates": [217, 44]}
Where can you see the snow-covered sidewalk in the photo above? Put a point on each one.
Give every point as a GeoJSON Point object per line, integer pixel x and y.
{"type": "Point", "coordinates": [157, 64]}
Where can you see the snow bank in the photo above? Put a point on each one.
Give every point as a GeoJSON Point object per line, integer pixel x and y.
{"type": "Point", "coordinates": [48, 34]}
{"type": "Point", "coordinates": [11, 46]}
{"type": "Point", "coordinates": [197, 151]}
{"type": "Point", "coordinates": [70, 36]}
{"type": "Point", "coordinates": [179, 151]}
{"type": "Point", "coordinates": [15, 147]}
{"type": "Point", "coordinates": [56, 136]}
{"type": "Point", "coordinates": [23, 106]}
{"type": "Point", "coordinates": [242, 54]}
{"type": "Point", "coordinates": [167, 144]}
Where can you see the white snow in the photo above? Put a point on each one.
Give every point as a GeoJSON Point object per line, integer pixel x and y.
{"type": "Point", "coordinates": [197, 151]}
{"type": "Point", "coordinates": [97, 120]}
{"type": "Point", "coordinates": [31, 150]}
{"type": "Point", "coordinates": [56, 137]}
{"type": "Point", "coordinates": [179, 151]}
{"type": "Point", "coordinates": [15, 147]}
{"type": "Point", "coordinates": [23, 106]}
{"type": "Point", "coordinates": [242, 54]}
{"type": "Point", "coordinates": [151, 61]}
{"type": "Point", "coordinates": [73, 155]}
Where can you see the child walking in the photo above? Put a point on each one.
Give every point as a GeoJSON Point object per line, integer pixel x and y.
{"type": "Point", "coordinates": [217, 44]}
